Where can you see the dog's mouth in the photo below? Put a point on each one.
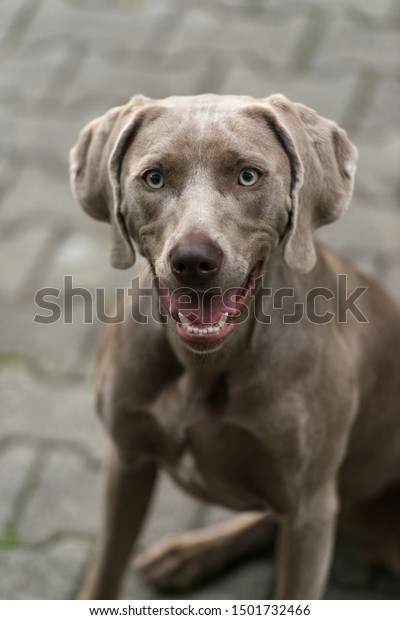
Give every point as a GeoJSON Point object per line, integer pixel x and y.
{"type": "Point", "coordinates": [204, 320]}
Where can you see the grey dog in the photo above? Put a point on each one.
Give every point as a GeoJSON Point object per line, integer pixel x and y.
{"type": "Point", "coordinates": [295, 422]}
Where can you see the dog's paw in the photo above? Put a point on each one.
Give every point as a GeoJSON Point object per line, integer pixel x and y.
{"type": "Point", "coordinates": [179, 563]}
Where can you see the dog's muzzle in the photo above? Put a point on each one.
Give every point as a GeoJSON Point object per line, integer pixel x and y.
{"type": "Point", "coordinates": [205, 318]}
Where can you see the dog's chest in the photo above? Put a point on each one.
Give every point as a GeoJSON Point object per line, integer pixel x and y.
{"type": "Point", "coordinates": [214, 457]}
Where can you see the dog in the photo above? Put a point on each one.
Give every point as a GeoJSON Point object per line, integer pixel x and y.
{"type": "Point", "coordinates": [250, 381]}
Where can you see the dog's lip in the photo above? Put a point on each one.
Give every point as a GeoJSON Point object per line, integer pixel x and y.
{"type": "Point", "coordinates": [223, 322]}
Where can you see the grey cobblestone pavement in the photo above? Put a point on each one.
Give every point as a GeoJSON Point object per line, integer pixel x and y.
{"type": "Point", "coordinates": [63, 62]}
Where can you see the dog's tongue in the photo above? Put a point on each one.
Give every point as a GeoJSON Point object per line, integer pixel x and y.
{"type": "Point", "coordinates": [203, 308]}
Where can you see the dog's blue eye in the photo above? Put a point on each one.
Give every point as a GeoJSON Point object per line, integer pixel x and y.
{"type": "Point", "coordinates": [248, 177]}
{"type": "Point", "coordinates": [154, 179]}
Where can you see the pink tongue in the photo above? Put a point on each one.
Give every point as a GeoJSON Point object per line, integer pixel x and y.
{"type": "Point", "coordinates": [203, 308]}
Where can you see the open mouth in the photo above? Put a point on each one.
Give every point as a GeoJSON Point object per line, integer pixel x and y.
{"type": "Point", "coordinates": [204, 336]}
{"type": "Point", "coordinates": [204, 320]}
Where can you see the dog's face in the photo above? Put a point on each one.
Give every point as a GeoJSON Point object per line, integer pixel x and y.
{"type": "Point", "coordinates": [208, 187]}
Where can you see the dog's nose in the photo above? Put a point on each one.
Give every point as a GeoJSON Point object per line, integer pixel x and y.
{"type": "Point", "coordinates": [196, 261]}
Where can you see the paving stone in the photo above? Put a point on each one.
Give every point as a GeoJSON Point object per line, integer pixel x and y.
{"type": "Point", "coordinates": [15, 463]}
{"type": "Point", "coordinates": [80, 243]}
{"type": "Point", "coordinates": [7, 14]}
{"type": "Point", "coordinates": [385, 583]}
{"type": "Point", "coordinates": [350, 48]}
{"type": "Point", "coordinates": [17, 255]}
{"type": "Point", "coordinates": [370, 7]}
{"type": "Point", "coordinates": [268, 40]}
{"type": "Point", "coordinates": [66, 500]}
{"type": "Point", "coordinates": [196, 29]}
{"type": "Point", "coordinates": [45, 200]}
{"type": "Point", "coordinates": [18, 22]}
{"type": "Point", "coordinates": [334, 593]}
{"type": "Point", "coordinates": [393, 15]}
{"type": "Point", "coordinates": [164, 519]}
{"type": "Point", "coordinates": [365, 232]}
{"type": "Point", "coordinates": [216, 514]}
{"type": "Point", "coordinates": [66, 346]}
{"type": "Point", "coordinates": [85, 258]}
{"type": "Point", "coordinates": [377, 173]}
{"type": "Point", "coordinates": [95, 77]}
{"type": "Point", "coordinates": [328, 97]}
{"type": "Point", "coordinates": [43, 142]}
{"type": "Point", "coordinates": [249, 6]}
{"type": "Point", "coordinates": [149, 79]}
{"type": "Point", "coordinates": [48, 572]}
{"type": "Point", "coordinates": [242, 79]}
{"type": "Point", "coordinates": [34, 70]}
{"type": "Point", "coordinates": [384, 113]}
{"type": "Point", "coordinates": [130, 26]}
{"type": "Point", "coordinates": [251, 581]}
{"type": "Point", "coordinates": [392, 281]}
{"type": "Point", "coordinates": [8, 177]}
{"type": "Point", "coordinates": [57, 413]}
{"type": "Point", "coordinates": [63, 62]}
{"type": "Point", "coordinates": [349, 568]}
{"type": "Point", "coordinates": [56, 349]}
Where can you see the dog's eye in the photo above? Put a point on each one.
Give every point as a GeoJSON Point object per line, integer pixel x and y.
{"type": "Point", "coordinates": [154, 179]}
{"type": "Point", "coordinates": [248, 177]}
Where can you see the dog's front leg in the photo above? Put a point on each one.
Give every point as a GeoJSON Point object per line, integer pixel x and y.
{"type": "Point", "coordinates": [305, 547]}
{"type": "Point", "coordinates": [127, 493]}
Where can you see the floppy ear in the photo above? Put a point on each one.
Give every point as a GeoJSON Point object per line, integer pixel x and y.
{"type": "Point", "coordinates": [95, 167]}
{"type": "Point", "coordinates": [323, 164]}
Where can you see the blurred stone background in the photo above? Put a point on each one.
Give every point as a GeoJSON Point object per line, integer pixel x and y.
{"type": "Point", "coordinates": [63, 62]}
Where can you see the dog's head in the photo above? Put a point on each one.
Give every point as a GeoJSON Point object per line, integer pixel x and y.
{"type": "Point", "coordinates": [208, 187]}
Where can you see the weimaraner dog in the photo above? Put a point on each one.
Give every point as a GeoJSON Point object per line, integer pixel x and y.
{"type": "Point", "coordinates": [262, 379]}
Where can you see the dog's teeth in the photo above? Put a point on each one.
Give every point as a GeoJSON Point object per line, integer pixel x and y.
{"type": "Point", "coordinates": [201, 331]}
{"type": "Point", "coordinates": [183, 319]}
{"type": "Point", "coordinates": [223, 318]}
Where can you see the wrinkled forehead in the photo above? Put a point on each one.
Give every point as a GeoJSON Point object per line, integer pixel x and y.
{"type": "Point", "coordinates": [211, 127]}
{"type": "Point", "coordinates": [202, 109]}
{"type": "Point", "coordinates": [204, 113]}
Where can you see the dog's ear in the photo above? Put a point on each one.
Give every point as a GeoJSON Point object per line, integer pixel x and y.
{"type": "Point", "coordinates": [323, 164]}
{"type": "Point", "coordinates": [95, 169]}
